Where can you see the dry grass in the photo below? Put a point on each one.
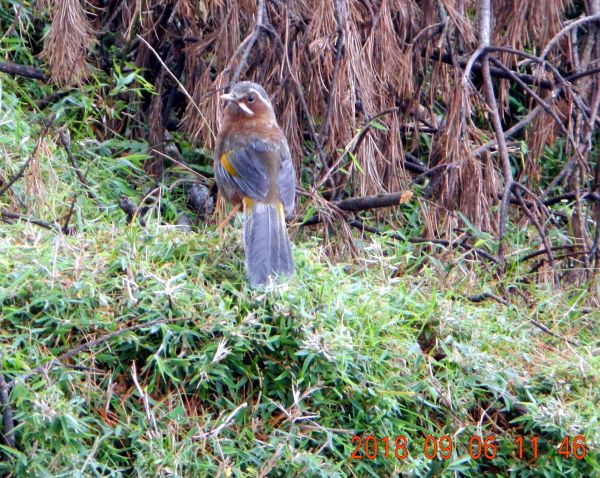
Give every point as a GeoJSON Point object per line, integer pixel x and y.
{"type": "Point", "coordinates": [68, 41]}
{"type": "Point", "coordinates": [332, 66]}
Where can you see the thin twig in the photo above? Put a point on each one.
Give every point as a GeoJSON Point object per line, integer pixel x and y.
{"type": "Point", "coordinates": [509, 133]}
{"type": "Point", "coordinates": [485, 35]}
{"type": "Point", "coordinates": [585, 196]}
{"type": "Point", "coordinates": [541, 102]}
{"type": "Point", "coordinates": [149, 415]}
{"type": "Point", "coordinates": [226, 422]}
{"type": "Point", "coordinates": [561, 80]}
{"type": "Point", "coordinates": [474, 66]}
{"type": "Point", "coordinates": [542, 233]}
{"type": "Point", "coordinates": [65, 226]}
{"type": "Point", "coordinates": [438, 27]}
{"type": "Point", "coordinates": [546, 330]}
{"type": "Point", "coordinates": [423, 240]}
{"type": "Point", "coordinates": [540, 252]}
{"type": "Point", "coordinates": [8, 424]}
{"type": "Point", "coordinates": [55, 362]}
{"type": "Point", "coordinates": [260, 14]}
{"type": "Point", "coordinates": [567, 29]}
{"type": "Point", "coordinates": [22, 169]}
{"type": "Point", "coordinates": [311, 127]}
{"type": "Point", "coordinates": [6, 214]}
{"type": "Point", "coordinates": [353, 145]}
{"type": "Point", "coordinates": [340, 15]}
{"type": "Point", "coordinates": [66, 142]}
{"type": "Point", "coordinates": [181, 87]}
{"type": "Point", "coordinates": [183, 165]}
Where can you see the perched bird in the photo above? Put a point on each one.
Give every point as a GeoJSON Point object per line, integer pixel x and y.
{"type": "Point", "coordinates": [254, 171]}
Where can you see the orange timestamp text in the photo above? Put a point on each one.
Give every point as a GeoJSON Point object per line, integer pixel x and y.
{"type": "Point", "coordinates": [485, 448]}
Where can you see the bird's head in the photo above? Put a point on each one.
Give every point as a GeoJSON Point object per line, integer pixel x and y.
{"type": "Point", "coordinates": [248, 101]}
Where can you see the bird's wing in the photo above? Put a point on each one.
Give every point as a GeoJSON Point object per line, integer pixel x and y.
{"type": "Point", "coordinates": [287, 181]}
{"type": "Point", "coordinates": [244, 169]}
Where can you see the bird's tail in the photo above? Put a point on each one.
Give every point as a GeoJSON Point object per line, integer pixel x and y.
{"type": "Point", "coordinates": [266, 242]}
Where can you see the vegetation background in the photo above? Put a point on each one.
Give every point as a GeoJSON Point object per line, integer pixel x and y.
{"type": "Point", "coordinates": [446, 241]}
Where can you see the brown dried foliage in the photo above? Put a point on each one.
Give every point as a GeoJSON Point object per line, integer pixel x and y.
{"type": "Point", "coordinates": [331, 66]}
{"type": "Point", "coordinates": [68, 41]}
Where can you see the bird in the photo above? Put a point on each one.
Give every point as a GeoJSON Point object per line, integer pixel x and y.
{"type": "Point", "coordinates": [254, 171]}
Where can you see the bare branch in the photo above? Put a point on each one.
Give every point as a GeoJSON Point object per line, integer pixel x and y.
{"type": "Point", "coordinates": [422, 240]}
{"type": "Point", "coordinates": [55, 362]}
{"type": "Point", "coordinates": [66, 142]}
{"type": "Point", "coordinates": [485, 35]}
{"type": "Point", "coordinates": [6, 214]}
{"type": "Point", "coordinates": [567, 29]}
{"type": "Point", "coordinates": [181, 87]}
{"type": "Point", "coordinates": [21, 70]}
{"type": "Point", "coordinates": [8, 424]}
{"type": "Point", "coordinates": [340, 17]}
{"type": "Point", "coordinates": [22, 169]}
{"type": "Point", "coordinates": [249, 41]}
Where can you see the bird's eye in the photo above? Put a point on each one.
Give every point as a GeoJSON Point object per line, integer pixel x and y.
{"type": "Point", "coordinates": [250, 98]}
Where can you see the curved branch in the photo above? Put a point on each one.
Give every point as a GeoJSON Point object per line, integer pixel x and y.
{"type": "Point", "coordinates": [249, 42]}
{"type": "Point", "coordinates": [567, 29]}
{"type": "Point", "coordinates": [88, 345]}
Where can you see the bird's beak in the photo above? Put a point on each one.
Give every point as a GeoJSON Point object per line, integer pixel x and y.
{"type": "Point", "coordinates": [228, 97]}
{"type": "Point", "coordinates": [243, 107]}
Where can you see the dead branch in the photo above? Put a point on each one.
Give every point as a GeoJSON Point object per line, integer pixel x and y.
{"type": "Point", "coordinates": [560, 79]}
{"type": "Point", "coordinates": [541, 232]}
{"type": "Point", "coordinates": [567, 29]}
{"type": "Point", "coordinates": [65, 227]}
{"type": "Point", "coordinates": [8, 424]}
{"type": "Point", "coordinates": [526, 78]}
{"type": "Point", "coordinates": [22, 169]}
{"type": "Point", "coordinates": [543, 251]}
{"type": "Point", "coordinates": [477, 298]}
{"type": "Point", "coordinates": [422, 240]}
{"type": "Point", "coordinates": [56, 362]}
{"type": "Point", "coordinates": [18, 175]}
{"type": "Point", "coordinates": [21, 70]}
{"type": "Point", "coordinates": [509, 133]}
{"type": "Point", "coordinates": [132, 211]}
{"type": "Point", "coordinates": [363, 204]}
{"type": "Point", "coordinates": [485, 35]}
{"type": "Point", "coordinates": [538, 99]}
{"type": "Point", "coordinates": [52, 97]}
{"type": "Point", "coordinates": [339, 13]}
{"type": "Point", "coordinates": [583, 74]}
{"type": "Point", "coordinates": [435, 29]}
{"type": "Point", "coordinates": [495, 72]}
{"type": "Point", "coordinates": [544, 260]}
{"type": "Point", "coordinates": [374, 202]}
{"type": "Point", "coordinates": [6, 214]}
{"type": "Point", "coordinates": [309, 121]}
{"type": "Point", "coordinates": [546, 330]}
{"type": "Point", "coordinates": [585, 196]}
{"type": "Point", "coordinates": [250, 41]}
{"type": "Point", "coordinates": [66, 142]}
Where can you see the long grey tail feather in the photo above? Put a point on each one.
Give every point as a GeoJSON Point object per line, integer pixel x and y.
{"type": "Point", "coordinates": [267, 244]}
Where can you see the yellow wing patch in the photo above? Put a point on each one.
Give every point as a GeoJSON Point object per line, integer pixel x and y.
{"type": "Point", "coordinates": [281, 211]}
{"type": "Point", "coordinates": [227, 166]}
